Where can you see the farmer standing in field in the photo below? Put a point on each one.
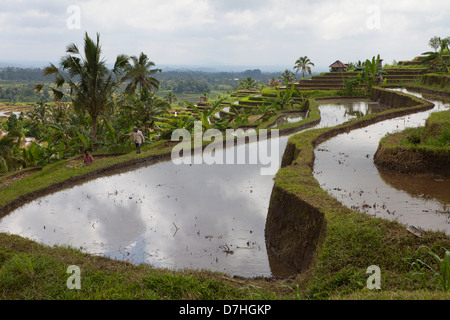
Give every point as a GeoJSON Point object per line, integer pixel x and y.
{"type": "Point", "coordinates": [138, 138]}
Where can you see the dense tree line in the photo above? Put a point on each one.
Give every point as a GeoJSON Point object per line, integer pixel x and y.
{"type": "Point", "coordinates": [20, 92]}
{"type": "Point", "coordinates": [16, 84]}
{"type": "Point", "coordinates": [200, 81]}
{"type": "Point", "coordinates": [21, 74]}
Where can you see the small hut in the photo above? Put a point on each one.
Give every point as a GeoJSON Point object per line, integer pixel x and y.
{"type": "Point", "coordinates": [338, 66]}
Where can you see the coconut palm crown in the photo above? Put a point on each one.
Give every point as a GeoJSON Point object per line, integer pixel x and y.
{"type": "Point", "coordinates": [86, 80]}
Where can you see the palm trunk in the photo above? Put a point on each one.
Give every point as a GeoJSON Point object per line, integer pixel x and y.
{"type": "Point", "coordinates": [94, 132]}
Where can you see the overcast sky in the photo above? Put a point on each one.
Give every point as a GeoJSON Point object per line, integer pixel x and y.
{"type": "Point", "coordinates": [250, 33]}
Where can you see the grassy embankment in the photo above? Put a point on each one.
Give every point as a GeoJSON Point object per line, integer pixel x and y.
{"type": "Point", "coordinates": [423, 149]}
{"type": "Point", "coordinates": [354, 241]}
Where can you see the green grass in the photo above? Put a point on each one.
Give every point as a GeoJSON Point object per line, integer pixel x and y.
{"type": "Point", "coordinates": [433, 137]}
{"type": "Point", "coordinates": [354, 241]}
{"type": "Point", "coordinates": [32, 271]}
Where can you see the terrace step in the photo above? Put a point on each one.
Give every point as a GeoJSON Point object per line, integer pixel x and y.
{"type": "Point", "coordinates": [415, 72]}
{"type": "Point", "coordinates": [340, 74]}
{"type": "Point", "coordinates": [326, 79]}
{"type": "Point", "coordinates": [309, 85]}
{"type": "Point", "coordinates": [393, 77]}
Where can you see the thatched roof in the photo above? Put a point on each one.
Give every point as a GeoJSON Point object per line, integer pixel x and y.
{"type": "Point", "coordinates": [338, 64]}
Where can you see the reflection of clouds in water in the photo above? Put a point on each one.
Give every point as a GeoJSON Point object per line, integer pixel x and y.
{"type": "Point", "coordinates": [336, 113]}
{"type": "Point", "coordinates": [212, 204]}
{"type": "Point", "coordinates": [135, 215]}
{"type": "Point", "coordinates": [47, 219]}
{"type": "Point", "coordinates": [118, 223]}
{"type": "Point", "coordinates": [88, 222]}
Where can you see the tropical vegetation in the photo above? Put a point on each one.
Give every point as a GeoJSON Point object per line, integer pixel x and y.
{"type": "Point", "coordinates": [303, 64]}
{"type": "Point", "coordinates": [94, 107]}
{"type": "Point", "coordinates": [439, 60]}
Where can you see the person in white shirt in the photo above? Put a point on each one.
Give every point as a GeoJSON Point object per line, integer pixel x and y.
{"type": "Point", "coordinates": [139, 138]}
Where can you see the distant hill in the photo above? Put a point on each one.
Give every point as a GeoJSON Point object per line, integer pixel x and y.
{"type": "Point", "coordinates": [21, 74]}
{"type": "Point", "coordinates": [24, 64]}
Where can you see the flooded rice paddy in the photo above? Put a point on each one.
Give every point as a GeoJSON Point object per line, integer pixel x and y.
{"type": "Point", "coordinates": [344, 167]}
{"type": "Point", "coordinates": [181, 216]}
{"type": "Point", "coordinates": [288, 119]}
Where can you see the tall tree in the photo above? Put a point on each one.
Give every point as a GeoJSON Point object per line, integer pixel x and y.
{"type": "Point", "coordinates": [140, 74]}
{"type": "Point", "coordinates": [438, 60]}
{"type": "Point", "coordinates": [92, 86]}
{"type": "Point", "coordinates": [303, 64]}
{"type": "Point", "coordinates": [435, 43]}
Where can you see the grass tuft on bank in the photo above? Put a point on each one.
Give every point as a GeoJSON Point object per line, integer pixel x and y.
{"type": "Point", "coordinates": [418, 150]}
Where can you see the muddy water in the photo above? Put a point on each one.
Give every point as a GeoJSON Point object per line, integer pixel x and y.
{"type": "Point", "coordinates": [166, 215]}
{"type": "Point", "coordinates": [344, 167]}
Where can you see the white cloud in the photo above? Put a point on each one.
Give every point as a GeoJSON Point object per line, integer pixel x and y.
{"type": "Point", "coordinates": [238, 37]}
{"type": "Point", "coordinates": [149, 15]}
{"type": "Point", "coordinates": [246, 19]}
{"type": "Point", "coordinates": [256, 32]}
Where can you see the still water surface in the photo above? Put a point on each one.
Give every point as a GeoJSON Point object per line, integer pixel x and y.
{"type": "Point", "coordinates": [344, 167]}
{"type": "Point", "coordinates": [175, 216]}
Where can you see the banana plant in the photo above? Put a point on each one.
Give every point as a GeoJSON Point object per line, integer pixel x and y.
{"type": "Point", "coordinates": [372, 74]}
{"type": "Point", "coordinates": [10, 157]}
{"type": "Point", "coordinates": [34, 155]}
{"type": "Point", "coordinates": [265, 110]}
{"type": "Point", "coordinates": [207, 114]}
{"type": "Point", "coordinates": [284, 99]}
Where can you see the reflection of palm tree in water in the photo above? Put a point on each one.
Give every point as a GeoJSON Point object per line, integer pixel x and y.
{"type": "Point", "coordinates": [354, 110]}
{"type": "Point", "coordinates": [354, 113]}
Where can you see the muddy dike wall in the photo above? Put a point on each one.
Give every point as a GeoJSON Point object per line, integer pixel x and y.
{"type": "Point", "coordinates": [295, 227]}
{"type": "Point", "coordinates": [440, 80]}
{"type": "Point", "coordinates": [392, 98]}
{"type": "Point", "coordinates": [408, 160]}
{"type": "Point", "coordinates": [297, 221]}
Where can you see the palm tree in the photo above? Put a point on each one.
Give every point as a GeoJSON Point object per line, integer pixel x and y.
{"type": "Point", "coordinates": [303, 64]}
{"type": "Point", "coordinates": [248, 84]}
{"type": "Point", "coordinates": [91, 85]}
{"type": "Point", "coordinates": [146, 108]}
{"type": "Point", "coordinates": [140, 74]}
